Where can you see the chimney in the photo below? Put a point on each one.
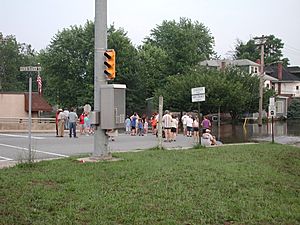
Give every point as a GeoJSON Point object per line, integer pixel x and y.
{"type": "Point", "coordinates": [279, 70]}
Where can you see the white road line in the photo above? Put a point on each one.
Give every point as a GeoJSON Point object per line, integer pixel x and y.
{"type": "Point", "coordinates": [21, 148]}
{"type": "Point", "coordinates": [5, 159]}
{"type": "Point", "coordinates": [22, 136]}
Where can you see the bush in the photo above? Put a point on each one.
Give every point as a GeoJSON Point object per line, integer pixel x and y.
{"type": "Point", "coordinates": [294, 109]}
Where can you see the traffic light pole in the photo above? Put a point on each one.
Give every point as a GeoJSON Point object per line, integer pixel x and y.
{"type": "Point", "coordinates": [100, 138]}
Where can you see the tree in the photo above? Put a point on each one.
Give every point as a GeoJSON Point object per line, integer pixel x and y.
{"type": "Point", "coordinates": [12, 56]}
{"type": "Point", "coordinates": [232, 90]}
{"type": "Point", "coordinates": [126, 67]}
{"type": "Point", "coordinates": [294, 109]}
{"type": "Point", "coordinates": [186, 44]}
{"type": "Point", "coordinates": [273, 50]}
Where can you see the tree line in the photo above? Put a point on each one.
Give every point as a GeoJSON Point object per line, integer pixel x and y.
{"type": "Point", "coordinates": [167, 63]}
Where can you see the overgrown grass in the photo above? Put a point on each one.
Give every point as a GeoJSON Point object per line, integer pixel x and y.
{"type": "Point", "coordinates": [250, 184]}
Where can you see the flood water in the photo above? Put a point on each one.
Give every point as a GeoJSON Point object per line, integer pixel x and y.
{"type": "Point", "coordinates": [229, 133]}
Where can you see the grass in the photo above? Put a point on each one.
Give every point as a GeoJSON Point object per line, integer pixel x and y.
{"type": "Point", "coordinates": [250, 184]}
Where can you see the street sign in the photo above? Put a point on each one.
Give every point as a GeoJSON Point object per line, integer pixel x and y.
{"type": "Point", "coordinates": [272, 101]}
{"type": "Point", "coordinates": [272, 110]}
{"type": "Point", "coordinates": [198, 94]}
{"type": "Point", "coordinates": [30, 68]}
{"type": "Point", "coordinates": [198, 98]}
{"type": "Point", "coordinates": [198, 90]}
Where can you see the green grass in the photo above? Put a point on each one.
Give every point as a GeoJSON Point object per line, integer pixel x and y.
{"type": "Point", "coordinates": [250, 184]}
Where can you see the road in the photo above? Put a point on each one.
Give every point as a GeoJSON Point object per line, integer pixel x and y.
{"type": "Point", "coordinates": [14, 147]}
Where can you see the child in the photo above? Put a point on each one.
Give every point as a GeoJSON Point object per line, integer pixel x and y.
{"type": "Point", "coordinates": [146, 127]}
{"type": "Point", "coordinates": [140, 127]}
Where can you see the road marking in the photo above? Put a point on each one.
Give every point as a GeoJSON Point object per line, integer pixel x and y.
{"type": "Point", "coordinates": [22, 136]}
{"type": "Point", "coordinates": [5, 159]}
{"type": "Point", "coordinates": [21, 148]}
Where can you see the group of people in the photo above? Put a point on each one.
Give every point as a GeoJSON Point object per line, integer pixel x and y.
{"type": "Point", "coordinates": [68, 120]}
{"type": "Point", "coordinates": [136, 125]}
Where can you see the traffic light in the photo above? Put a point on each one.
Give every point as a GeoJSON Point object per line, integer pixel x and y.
{"type": "Point", "coordinates": [110, 63]}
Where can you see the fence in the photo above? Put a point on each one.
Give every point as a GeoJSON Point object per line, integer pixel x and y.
{"type": "Point", "coordinates": [21, 123]}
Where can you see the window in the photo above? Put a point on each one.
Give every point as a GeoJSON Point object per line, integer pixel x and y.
{"type": "Point", "coordinates": [297, 88]}
{"type": "Point", "coordinates": [279, 106]}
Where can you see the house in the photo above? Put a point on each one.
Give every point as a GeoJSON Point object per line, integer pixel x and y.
{"type": "Point", "coordinates": [15, 105]}
{"type": "Point", "coordinates": [285, 81]}
{"type": "Point", "coordinates": [244, 64]}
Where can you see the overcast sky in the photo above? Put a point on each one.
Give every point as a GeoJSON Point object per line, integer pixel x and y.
{"type": "Point", "coordinates": [35, 22]}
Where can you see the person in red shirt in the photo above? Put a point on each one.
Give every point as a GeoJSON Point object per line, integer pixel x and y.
{"type": "Point", "coordinates": [81, 122]}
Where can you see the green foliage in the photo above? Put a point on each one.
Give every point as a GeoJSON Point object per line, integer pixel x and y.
{"type": "Point", "coordinates": [273, 50]}
{"type": "Point", "coordinates": [245, 184]}
{"type": "Point", "coordinates": [13, 55]}
{"type": "Point", "coordinates": [185, 43]}
{"type": "Point", "coordinates": [68, 67]}
{"type": "Point", "coordinates": [294, 109]}
{"type": "Point", "coordinates": [232, 90]}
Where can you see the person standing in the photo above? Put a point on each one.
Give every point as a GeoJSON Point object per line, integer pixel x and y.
{"type": "Point", "coordinates": [174, 126]}
{"type": "Point", "coordinates": [66, 112]}
{"type": "Point", "coordinates": [196, 130]}
{"type": "Point", "coordinates": [81, 123]}
{"type": "Point", "coordinates": [189, 126]}
{"type": "Point", "coordinates": [167, 120]}
{"type": "Point", "coordinates": [61, 123]}
{"type": "Point", "coordinates": [56, 122]}
{"type": "Point", "coordinates": [127, 125]}
{"type": "Point", "coordinates": [206, 124]}
{"type": "Point", "coordinates": [72, 123]}
{"type": "Point", "coordinates": [183, 120]}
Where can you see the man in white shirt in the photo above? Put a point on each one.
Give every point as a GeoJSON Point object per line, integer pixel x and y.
{"type": "Point", "coordinates": [167, 123]}
{"type": "Point", "coordinates": [189, 126]}
{"type": "Point", "coordinates": [183, 120]}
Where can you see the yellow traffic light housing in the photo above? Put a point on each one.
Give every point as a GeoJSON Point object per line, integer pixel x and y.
{"type": "Point", "coordinates": [110, 63]}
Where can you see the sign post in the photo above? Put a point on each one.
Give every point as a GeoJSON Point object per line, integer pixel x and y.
{"type": "Point", "coordinates": [272, 111]}
{"type": "Point", "coordinates": [198, 95]}
{"type": "Point", "coordinates": [30, 69]}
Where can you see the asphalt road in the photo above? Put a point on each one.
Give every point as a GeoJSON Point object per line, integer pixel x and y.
{"type": "Point", "coordinates": [14, 147]}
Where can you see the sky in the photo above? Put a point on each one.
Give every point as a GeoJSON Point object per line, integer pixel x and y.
{"type": "Point", "coordinates": [36, 22]}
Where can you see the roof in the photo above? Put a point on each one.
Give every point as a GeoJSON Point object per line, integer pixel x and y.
{"type": "Point", "coordinates": [237, 62]}
{"type": "Point", "coordinates": [286, 75]}
{"type": "Point", "coordinates": [38, 103]}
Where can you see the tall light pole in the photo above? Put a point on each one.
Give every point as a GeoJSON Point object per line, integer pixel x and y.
{"type": "Point", "coordinates": [100, 138]}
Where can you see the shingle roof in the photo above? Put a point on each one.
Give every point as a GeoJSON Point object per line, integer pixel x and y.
{"type": "Point", "coordinates": [286, 75]}
{"type": "Point", "coordinates": [38, 103]}
{"type": "Point", "coordinates": [237, 62]}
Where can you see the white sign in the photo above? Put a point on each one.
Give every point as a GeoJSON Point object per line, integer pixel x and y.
{"type": "Point", "coordinates": [198, 90]}
{"type": "Point", "coordinates": [272, 110]}
{"type": "Point", "coordinates": [198, 98]}
{"type": "Point", "coordinates": [30, 68]}
{"type": "Point", "coordinates": [272, 101]}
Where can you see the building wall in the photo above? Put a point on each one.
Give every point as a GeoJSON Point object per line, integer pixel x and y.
{"type": "Point", "coordinates": [289, 88]}
{"type": "Point", "coordinates": [12, 105]}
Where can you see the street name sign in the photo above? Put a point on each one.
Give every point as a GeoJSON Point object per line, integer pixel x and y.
{"type": "Point", "coordinates": [30, 68]}
{"type": "Point", "coordinates": [198, 90]}
{"type": "Point", "coordinates": [198, 98]}
{"type": "Point", "coordinates": [198, 94]}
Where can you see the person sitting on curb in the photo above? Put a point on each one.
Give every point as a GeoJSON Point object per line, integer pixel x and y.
{"type": "Point", "coordinates": [208, 139]}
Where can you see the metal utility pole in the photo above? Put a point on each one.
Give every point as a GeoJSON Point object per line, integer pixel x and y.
{"type": "Point", "coordinates": [262, 41]}
{"type": "Point", "coordinates": [100, 139]}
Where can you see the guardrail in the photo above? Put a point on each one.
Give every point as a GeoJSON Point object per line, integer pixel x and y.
{"type": "Point", "coordinates": [21, 124]}
{"type": "Point", "coordinates": [25, 120]}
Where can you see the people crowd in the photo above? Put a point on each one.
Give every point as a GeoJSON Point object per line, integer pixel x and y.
{"type": "Point", "coordinates": [136, 125]}
{"type": "Point", "coordinates": [191, 124]}
{"type": "Point", "coordinates": [68, 120]}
